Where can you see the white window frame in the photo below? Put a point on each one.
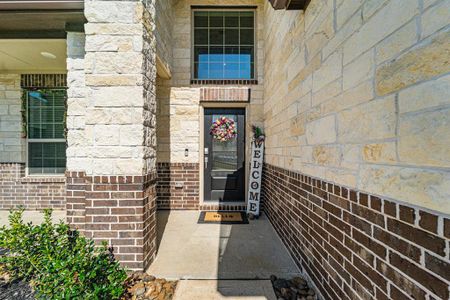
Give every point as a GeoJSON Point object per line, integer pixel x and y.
{"type": "Point", "coordinates": [225, 9]}
{"type": "Point", "coordinates": [28, 140]}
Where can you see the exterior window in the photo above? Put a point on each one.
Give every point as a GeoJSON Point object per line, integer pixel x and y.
{"type": "Point", "coordinates": [46, 126]}
{"type": "Point", "coordinates": [224, 46]}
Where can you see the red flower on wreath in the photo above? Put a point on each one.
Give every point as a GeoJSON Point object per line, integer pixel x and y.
{"type": "Point", "coordinates": [223, 129]}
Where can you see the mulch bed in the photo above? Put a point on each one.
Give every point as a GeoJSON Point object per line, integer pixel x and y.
{"type": "Point", "coordinates": [292, 289]}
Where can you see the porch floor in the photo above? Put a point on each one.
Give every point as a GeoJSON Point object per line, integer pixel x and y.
{"type": "Point", "coordinates": [216, 261]}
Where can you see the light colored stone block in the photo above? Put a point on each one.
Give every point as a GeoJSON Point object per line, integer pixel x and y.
{"type": "Point", "coordinates": [329, 91]}
{"type": "Point", "coordinates": [384, 22]}
{"type": "Point", "coordinates": [354, 96]}
{"type": "Point", "coordinates": [116, 96]}
{"type": "Point", "coordinates": [380, 153]}
{"type": "Point", "coordinates": [424, 139]}
{"type": "Point", "coordinates": [359, 70]}
{"type": "Point", "coordinates": [327, 155]}
{"type": "Point", "coordinates": [106, 135]}
{"type": "Point", "coordinates": [131, 135]}
{"type": "Point", "coordinates": [370, 7]}
{"type": "Point", "coordinates": [118, 63]}
{"type": "Point", "coordinates": [435, 18]}
{"type": "Point", "coordinates": [415, 186]}
{"type": "Point", "coordinates": [425, 95]}
{"type": "Point", "coordinates": [347, 9]}
{"type": "Point", "coordinates": [368, 121]}
{"type": "Point", "coordinates": [342, 34]}
{"type": "Point", "coordinates": [330, 70]}
{"type": "Point", "coordinates": [400, 40]}
{"type": "Point", "coordinates": [112, 11]}
{"type": "Point", "coordinates": [425, 61]}
{"type": "Point", "coordinates": [321, 131]}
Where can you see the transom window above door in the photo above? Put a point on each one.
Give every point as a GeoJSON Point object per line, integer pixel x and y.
{"type": "Point", "coordinates": [224, 44]}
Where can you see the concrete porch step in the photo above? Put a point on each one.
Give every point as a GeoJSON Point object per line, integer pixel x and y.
{"type": "Point", "coordinates": [224, 289]}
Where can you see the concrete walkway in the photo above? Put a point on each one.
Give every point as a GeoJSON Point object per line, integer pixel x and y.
{"type": "Point", "coordinates": [34, 216]}
{"type": "Point", "coordinates": [217, 261]}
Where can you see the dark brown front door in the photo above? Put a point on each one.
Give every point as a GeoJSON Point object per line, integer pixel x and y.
{"type": "Point", "coordinates": [224, 161]}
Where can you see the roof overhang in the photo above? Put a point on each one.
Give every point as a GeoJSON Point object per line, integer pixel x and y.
{"type": "Point", "coordinates": [42, 5]}
{"type": "Point", "coordinates": [40, 19]}
{"type": "Point", "coordinates": [289, 4]}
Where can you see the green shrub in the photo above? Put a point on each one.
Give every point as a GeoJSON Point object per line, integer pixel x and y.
{"type": "Point", "coordinates": [59, 262]}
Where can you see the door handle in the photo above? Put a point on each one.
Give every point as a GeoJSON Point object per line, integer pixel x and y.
{"type": "Point", "coordinates": [206, 162]}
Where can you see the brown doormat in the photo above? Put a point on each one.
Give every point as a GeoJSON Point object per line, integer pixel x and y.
{"type": "Point", "coordinates": [223, 217]}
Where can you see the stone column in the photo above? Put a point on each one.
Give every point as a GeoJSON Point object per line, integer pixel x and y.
{"type": "Point", "coordinates": [115, 162]}
{"type": "Point", "coordinates": [76, 122]}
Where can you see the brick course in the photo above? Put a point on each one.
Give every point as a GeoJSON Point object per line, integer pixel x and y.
{"type": "Point", "coordinates": [29, 192]}
{"type": "Point", "coordinates": [350, 249]}
{"type": "Point", "coordinates": [225, 94]}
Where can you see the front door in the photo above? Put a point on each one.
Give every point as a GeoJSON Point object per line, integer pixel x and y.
{"type": "Point", "coordinates": [224, 160]}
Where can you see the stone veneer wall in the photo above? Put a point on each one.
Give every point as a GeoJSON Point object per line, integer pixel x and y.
{"type": "Point", "coordinates": [358, 93]}
{"type": "Point", "coordinates": [356, 245]}
{"type": "Point", "coordinates": [12, 145]}
{"type": "Point", "coordinates": [111, 155]}
{"type": "Point", "coordinates": [357, 106]}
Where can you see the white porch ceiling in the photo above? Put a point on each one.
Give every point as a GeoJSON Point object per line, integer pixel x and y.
{"type": "Point", "coordinates": [24, 56]}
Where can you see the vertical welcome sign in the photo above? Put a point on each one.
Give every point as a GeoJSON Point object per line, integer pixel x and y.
{"type": "Point", "coordinates": [254, 189]}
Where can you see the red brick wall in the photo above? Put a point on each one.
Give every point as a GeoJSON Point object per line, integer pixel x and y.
{"type": "Point", "coordinates": [357, 245]}
{"type": "Point", "coordinates": [178, 186]}
{"type": "Point", "coordinates": [117, 209]}
{"type": "Point", "coordinates": [225, 94]}
{"type": "Point", "coordinates": [29, 192]}
{"type": "Point", "coordinates": [233, 207]}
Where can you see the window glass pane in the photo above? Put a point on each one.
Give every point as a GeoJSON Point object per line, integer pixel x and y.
{"type": "Point", "coordinates": [246, 55]}
{"type": "Point", "coordinates": [231, 36]}
{"type": "Point", "coordinates": [216, 36]}
{"type": "Point", "coordinates": [216, 54]}
{"type": "Point", "coordinates": [201, 54]}
{"type": "Point", "coordinates": [47, 131]}
{"type": "Point", "coordinates": [215, 70]}
{"type": "Point", "coordinates": [246, 19]}
{"type": "Point", "coordinates": [216, 19]}
{"type": "Point", "coordinates": [246, 37]}
{"type": "Point", "coordinates": [46, 158]}
{"type": "Point", "coordinates": [201, 36]}
{"type": "Point", "coordinates": [232, 19]}
{"type": "Point", "coordinates": [202, 71]}
{"type": "Point", "coordinates": [232, 54]}
{"type": "Point", "coordinates": [231, 70]}
{"type": "Point", "coordinates": [245, 71]}
{"type": "Point", "coordinates": [201, 19]}
{"type": "Point", "coordinates": [59, 131]}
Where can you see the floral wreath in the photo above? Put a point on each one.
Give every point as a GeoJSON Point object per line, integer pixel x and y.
{"type": "Point", "coordinates": [223, 129]}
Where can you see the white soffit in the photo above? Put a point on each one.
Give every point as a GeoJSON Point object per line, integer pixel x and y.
{"type": "Point", "coordinates": [24, 56]}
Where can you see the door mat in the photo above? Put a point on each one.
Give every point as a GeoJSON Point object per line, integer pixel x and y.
{"type": "Point", "coordinates": [223, 217]}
